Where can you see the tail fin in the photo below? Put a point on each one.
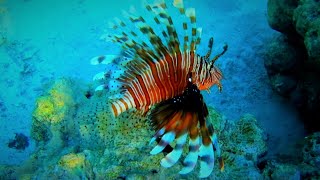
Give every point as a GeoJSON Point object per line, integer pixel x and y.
{"type": "Point", "coordinates": [182, 116]}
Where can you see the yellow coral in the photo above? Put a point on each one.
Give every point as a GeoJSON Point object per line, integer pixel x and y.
{"type": "Point", "coordinates": [72, 161]}
{"type": "Point", "coordinates": [60, 97]}
{"type": "Point", "coordinates": [54, 106]}
{"type": "Point", "coordinates": [44, 108]}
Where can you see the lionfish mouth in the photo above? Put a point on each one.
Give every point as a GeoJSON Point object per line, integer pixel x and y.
{"type": "Point", "coordinates": [156, 70]}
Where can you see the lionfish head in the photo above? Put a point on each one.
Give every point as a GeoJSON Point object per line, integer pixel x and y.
{"type": "Point", "coordinates": [212, 74]}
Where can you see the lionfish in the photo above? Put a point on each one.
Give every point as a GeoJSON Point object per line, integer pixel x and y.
{"type": "Point", "coordinates": [157, 72]}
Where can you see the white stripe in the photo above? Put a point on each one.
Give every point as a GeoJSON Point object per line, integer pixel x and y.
{"type": "Point", "coordinates": [178, 3]}
{"type": "Point", "coordinates": [135, 92]}
{"type": "Point", "coordinates": [174, 156]}
{"type": "Point", "coordinates": [183, 62]}
{"type": "Point", "coordinates": [148, 87]}
{"type": "Point", "coordinates": [100, 88]}
{"type": "Point", "coordinates": [127, 101]}
{"type": "Point", "coordinates": [168, 138]}
{"type": "Point", "coordinates": [158, 134]}
{"type": "Point", "coordinates": [161, 77]}
{"type": "Point", "coordinates": [202, 73]}
{"type": "Point", "coordinates": [188, 62]}
{"type": "Point", "coordinates": [142, 93]}
{"type": "Point", "coordinates": [196, 64]}
{"type": "Point", "coordinates": [190, 12]}
{"type": "Point", "coordinates": [188, 58]}
{"type": "Point", "coordinates": [155, 88]}
{"type": "Point", "coordinates": [167, 75]}
{"type": "Point", "coordinates": [122, 106]}
{"type": "Point", "coordinates": [192, 157]}
{"type": "Point", "coordinates": [130, 99]}
{"type": "Point", "coordinates": [206, 167]}
{"type": "Point", "coordinates": [175, 67]}
{"type": "Point", "coordinates": [99, 76]}
{"type": "Point", "coordinates": [117, 108]}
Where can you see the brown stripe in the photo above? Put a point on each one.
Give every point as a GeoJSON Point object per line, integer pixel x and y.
{"type": "Point", "coordinates": [184, 125]}
{"type": "Point", "coordinates": [200, 67]}
{"type": "Point", "coordinates": [114, 109]}
{"type": "Point", "coordinates": [140, 95]}
{"type": "Point", "coordinates": [179, 146]}
{"type": "Point", "coordinates": [166, 79]}
{"type": "Point", "coordinates": [163, 143]}
{"type": "Point", "coordinates": [192, 61]}
{"type": "Point", "coordinates": [206, 158]}
{"type": "Point", "coordinates": [169, 160]}
{"type": "Point", "coordinates": [179, 68]}
{"type": "Point", "coordinates": [193, 127]}
{"type": "Point", "coordinates": [148, 7]}
{"type": "Point", "coordinates": [169, 60]}
{"type": "Point", "coordinates": [182, 73]}
{"type": "Point", "coordinates": [194, 31]}
{"type": "Point", "coordinates": [156, 20]}
{"type": "Point", "coordinates": [125, 104]}
{"type": "Point", "coordinates": [185, 26]}
{"type": "Point", "coordinates": [150, 86]}
{"type": "Point", "coordinates": [193, 19]}
{"type": "Point", "coordinates": [156, 78]}
{"type": "Point", "coordinates": [193, 148]}
{"type": "Point", "coordinates": [182, 11]}
{"type": "Point", "coordinates": [205, 136]}
{"type": "Point", "coordinates": [188, 164]}
{"type": "Point", "coordinates": [136, 102]}
{"type": "Point", "coordinates": [144, 89]}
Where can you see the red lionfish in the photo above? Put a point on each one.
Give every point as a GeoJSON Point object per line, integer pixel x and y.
{"type": "Point", "coordinates": [162, 72]}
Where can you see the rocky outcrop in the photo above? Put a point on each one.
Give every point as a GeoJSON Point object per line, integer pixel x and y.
{"type": "Point", "coordinates": [303, 165]}
{"type": "Point", "coordinates": [293, 59]}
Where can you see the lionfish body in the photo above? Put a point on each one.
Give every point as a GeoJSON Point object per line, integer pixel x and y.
{"type": "Point", "coordinates": [166, 74]}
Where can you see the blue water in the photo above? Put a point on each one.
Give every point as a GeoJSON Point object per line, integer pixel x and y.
{"type": "Point", "coordinates": [45, 40]}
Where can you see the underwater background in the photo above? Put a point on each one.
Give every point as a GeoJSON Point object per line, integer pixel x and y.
{"type": "Point", "coordinates": [50, 128]}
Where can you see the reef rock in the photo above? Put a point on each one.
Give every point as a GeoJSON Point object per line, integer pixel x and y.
{"type": "Point", "coordinates": [280, 14]}
{"type": "Point", "coordinates": [293, 61]}
{"type": "Point", "coordinates": [303, 165]}
{"type": "Point", "coordinates": [282, 56]}
{"type": "Point", "coordinates": [78, 138]}
{"type": "Point", "coordinates": [311, 150]}
{"type": "Point", "coordinates": [306, 18]}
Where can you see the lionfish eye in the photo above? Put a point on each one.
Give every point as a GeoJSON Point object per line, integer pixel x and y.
{"type": "Point", "coordinates": [189, 77]}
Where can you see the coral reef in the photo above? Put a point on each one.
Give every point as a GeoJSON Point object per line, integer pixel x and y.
{"type": "Point", "coordinates": [311, 150]}
{"type": "Point", "coordinates": [304, 165]}
{"type": "Point", "coordinates": [20, 142]}
{"type": "Point", "coordinates": [78, 138]}
{"type": "Point", "coordinates": [53, 110]}
{"type": "Point", "coordinates": [72, 161]}
{"type": "Point", "coordinates": [53, 107]}
{"type": "Point", "coordinates": [243, 143]}
{"type": "Point", "coordinates": [293, 59]}
{"type": "Point", "coordinates": [87, 142]}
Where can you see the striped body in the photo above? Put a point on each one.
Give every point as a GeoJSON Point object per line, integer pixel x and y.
{"type": "Point", "coordinates": [166, 74]}
{"type": "Point", "coordinates": [164, 80]}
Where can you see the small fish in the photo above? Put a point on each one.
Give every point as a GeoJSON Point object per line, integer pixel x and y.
{"type": "Point", "coordinates": [161, 73]}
